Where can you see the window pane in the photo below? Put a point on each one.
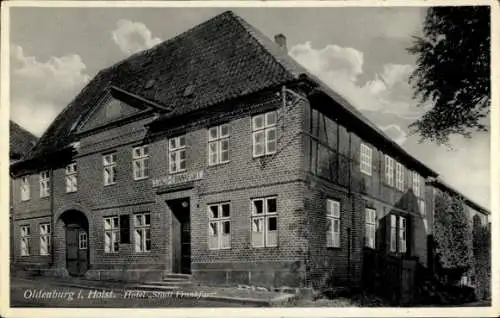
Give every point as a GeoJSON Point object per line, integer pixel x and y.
{"type": "Point", "coordinates": [213, 228]}
{"type": "Point", "coordinates": [226, 227]}
{"type": "Point", "coordinates": [182, 141]}
{"type": "Point", "coordinates": [272, 238]}
{"type": "Point", "coordinates": [257, 225]}
{"type": "Point", "coordinates": [225, 210]}
{"type": "Point", "coordinates": [258, 143]}
{"type": "Point", "coordinates": [258, 206]}
{"type": "Point", "coordinates": [272, 225]}
{"type": "Point", "coordinates": [138, 240]}
{"type": "Point", "coordinates": [270, 118]}
{"type": "Point", "coordinates": [258, 122]}
{"type": "Point", "coordinates": [214, 211]}
{"type": "Point", "coordinates": [224, 151]}
{"type": "Point", "coordinates": [182, 165]}
{"type": "Point", "coordinates": [224, 145]}
{"type": "Point", "coordinates": [212, 152]}
{"type": "Point", "coordinates": [271, 140]}
{"type": "Point", "coordinates": [271, 205]}
{"type": "Point", "coordinates": [212, 133]}
{"type": "Point", "coordinates": [224, 130]}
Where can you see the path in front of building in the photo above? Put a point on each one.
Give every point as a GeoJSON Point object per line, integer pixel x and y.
{"type": "Point", "coordinates": [34, 293]}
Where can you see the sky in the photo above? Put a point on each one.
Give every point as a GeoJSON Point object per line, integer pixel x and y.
{"type": "Point", "coordinates": [359, 52]}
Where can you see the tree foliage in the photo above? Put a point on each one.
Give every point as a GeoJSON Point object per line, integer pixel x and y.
{"type": "Point", "coordinates": [482, 260]}
{"type": "Point", "coordinates": [453, 235]}
{"type": "Point", "coordinates": [452, 72]}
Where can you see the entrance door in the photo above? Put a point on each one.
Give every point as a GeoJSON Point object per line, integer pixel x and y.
{"type": "Point", "coordinates": [76, 250]}
{"type": "Point", "coordinates": [186, 246]}
{"type": "Point", "coordinates": [181, 236]}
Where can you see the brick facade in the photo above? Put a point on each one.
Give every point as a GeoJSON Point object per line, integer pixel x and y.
{"type": "Point", "coordinates": [291, 175]}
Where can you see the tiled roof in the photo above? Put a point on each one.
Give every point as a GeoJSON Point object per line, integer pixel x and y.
{"type": "Point", "coordinates": [21, 141]}
{"type": "Point", "coordinates": [218, 60]}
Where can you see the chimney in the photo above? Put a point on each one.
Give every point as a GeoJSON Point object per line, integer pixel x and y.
{"type": "Point", "coordinates": [280, 39]}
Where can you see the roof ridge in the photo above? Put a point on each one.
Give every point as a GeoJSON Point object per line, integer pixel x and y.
{"type": "Point", "coordinates": [172, 39]}
{"type": "Point", "coordinates": [257, 35]}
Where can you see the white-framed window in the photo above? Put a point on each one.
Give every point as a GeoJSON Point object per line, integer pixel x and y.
{"type": "Point", "coordinates": [142, 232]}
{"type": "Point", "coordinates": [370, 227]}
{"type": "Point", "coordinates": [25, 240]}
{"type": "Point", "coordinates": [45, 239]}
{"type": "Point", "coordinates": [218, 144]}
{"type": "Point", "coordinates": [140, 162]}
{"type": "Point", "coordinates": [421, 207]}
{"type": "Point", "coordinates": [393, 233]}
{"type": "Point", "coordinates": [109, 173]}
{"type": "Point", "coordinates": [25, 188]}
{"type": "Point", "coordinates": [402, 234]}
{"type": "Point", "coordinates": [219, 226]}
{"type": "Point", "coordinates": [365, 159]}
{"type": "Point", "coordinates": [71, 178]}
{"type": "Point", "coordinates": [399, 234]}
{"type": "Point", "coordinates": [389, 170]}
{"type": "Point", "coordinates": [265, 222]}
{"type": "Point", "coordinates": [264, 134]}
{"type": "Point", "coordinates": [416, 184]}
{"type": "Point", "coordinates": [333, 223]}
{"type": "Point", "coordinates": [400, 177]}
{"type": "Point", "coordinates": [177, 154]}
{"type": "Point", "coordinates": [44, 184]}
{"type": "Point", "coordinates": [83, 240]}
{"type": "Point", "coordinates": [111, 234]}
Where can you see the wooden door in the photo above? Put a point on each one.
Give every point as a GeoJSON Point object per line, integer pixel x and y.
{"type": "Point", "coordinates": [76, 250]}
{"type": "Point", "coordinates": [186, 246]}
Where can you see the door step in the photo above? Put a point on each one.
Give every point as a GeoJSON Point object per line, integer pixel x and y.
{"type": "Point", "coordinates": [169, 283]}
{"type": "Point", "coordinates": [148, 286]}
{"type": "Point", "coordinates": [177, 276]}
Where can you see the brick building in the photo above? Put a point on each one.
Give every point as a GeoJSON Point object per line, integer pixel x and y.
{"type": "Point", "coordinates": [20, 143]}
{"type": "Point", "coordinates": [217, 155]}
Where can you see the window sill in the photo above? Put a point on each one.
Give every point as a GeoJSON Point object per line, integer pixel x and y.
{"type": "Point", "coordinates": [220, 164]}
{"type": "Point", "coordinates": [109, 184]}
{"type": "Point", "coordinates": [141, 179]}
{"type": "Point", "coordinates": [176, 172]}
{"type": "Point", "coordinates": [219, 249]}
{"type": "Point", "coordinates": [69, 192]}
{"type": "Point", "coordinates": [334, 248]}
{"type": "Point", "coordinates": [264, 155]}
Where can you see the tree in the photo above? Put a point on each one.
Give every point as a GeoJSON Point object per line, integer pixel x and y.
{"type": "Point", "coordinates": [452, 72]}
{"type": "Point", "coordinates": [482, 260]}
{"type": "Point", "coordinates": [453, 237]}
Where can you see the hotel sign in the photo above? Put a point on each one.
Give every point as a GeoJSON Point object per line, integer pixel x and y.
{"type": "Point", "coordinates": [177, 178]}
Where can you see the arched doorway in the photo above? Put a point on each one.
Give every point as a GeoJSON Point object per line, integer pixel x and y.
{"type": "Point", "coordinates": [76, 242]}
